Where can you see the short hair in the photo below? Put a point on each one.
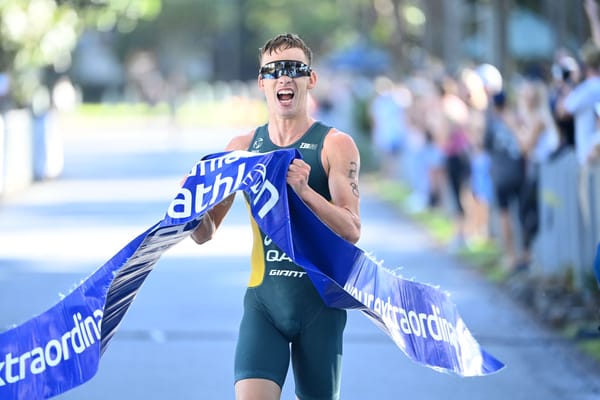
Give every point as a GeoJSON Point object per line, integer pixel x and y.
{"type": "Point", "coordinates": [590, 53]}
{"type": "Point", "coordinates": [282, 42]}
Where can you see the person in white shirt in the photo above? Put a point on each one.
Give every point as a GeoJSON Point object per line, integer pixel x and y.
{"type": "Point", "coordinates": [581, 102]}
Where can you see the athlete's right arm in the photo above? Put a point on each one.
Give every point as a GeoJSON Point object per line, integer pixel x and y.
{"type": "Point", "coordinates": [215, 216]}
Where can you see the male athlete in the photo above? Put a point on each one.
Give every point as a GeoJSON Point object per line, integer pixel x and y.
{"type": "Point", "coordinates": [284, 316]}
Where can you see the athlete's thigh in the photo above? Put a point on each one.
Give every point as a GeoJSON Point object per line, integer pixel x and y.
{"type": "Point", "coordinates": [317, 356]}
{"type": "Point", "coordinates": [261, 351]}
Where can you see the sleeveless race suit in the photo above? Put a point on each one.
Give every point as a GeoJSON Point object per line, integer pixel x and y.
{"type": "Point", "coordinates": [283, 308]}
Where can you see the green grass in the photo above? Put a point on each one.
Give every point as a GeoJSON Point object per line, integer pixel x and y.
{"type": "Point", "coordinates": [392, 192]}
{"type": "Point", "coordinates": [120, 110]}
{"type": "Point", "coordinates": [231, 112]}
{"type": "Point", "coordinates": [486, 257]}
{"type": "Point", "coordinates": [439, 225]}
{"type": "Point", "coordinates": [591, 347]}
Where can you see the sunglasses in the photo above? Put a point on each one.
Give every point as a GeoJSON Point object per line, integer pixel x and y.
{"type": "Point", "coordinates": [276, 69]}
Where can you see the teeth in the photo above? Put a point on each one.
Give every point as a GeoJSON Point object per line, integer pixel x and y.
{"type": "Point", "coordinates": [286, 91]}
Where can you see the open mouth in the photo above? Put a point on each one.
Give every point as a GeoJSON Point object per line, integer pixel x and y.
{"type": "Point", "coordinates": [285, 95]}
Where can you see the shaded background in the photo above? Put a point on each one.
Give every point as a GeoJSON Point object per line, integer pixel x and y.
{"type": "Point", "coordinates": [106, 46]}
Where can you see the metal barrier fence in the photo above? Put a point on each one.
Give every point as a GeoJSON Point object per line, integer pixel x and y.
{"type": "Point", "coordinates": [569, 220]}
{"type": "Point", "coordinates": [30, 150]}
{"type": "Point", "coordinates": [17, 151]}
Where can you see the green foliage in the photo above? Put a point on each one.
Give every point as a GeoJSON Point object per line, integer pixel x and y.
{"type": "Point", "coordinates": [326, 24]}
{"type": "Point", "coordinates": [43, 33]}
{"type": "Point", "coordinates": [591, 347]}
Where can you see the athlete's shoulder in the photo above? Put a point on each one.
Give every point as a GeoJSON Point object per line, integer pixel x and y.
{"type": "Point", "coordinates": [338, 138]}
{"type": "Point", "coordinates": [339, 149]}
{"type": "Point", "coordinates": [240, 142]}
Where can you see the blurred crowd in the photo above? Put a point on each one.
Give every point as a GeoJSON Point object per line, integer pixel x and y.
{"type": "Point", "coordinates": [473, 142]}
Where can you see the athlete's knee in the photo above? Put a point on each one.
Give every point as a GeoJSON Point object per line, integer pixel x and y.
{"type": "Point", "coordinates": [257, 389]}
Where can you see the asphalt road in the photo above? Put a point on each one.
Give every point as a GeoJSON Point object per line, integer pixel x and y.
{"type": "Point", "coordinates": [178, 338]}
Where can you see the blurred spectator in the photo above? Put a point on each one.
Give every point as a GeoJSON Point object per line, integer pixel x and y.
{"type": "Point", "coordinates": [457, 156]}
{"type": "Point", "coordinates": [595, 144]}
{"type": "Point", "coordinates": [581, 100]}
{"type": "Point", "coordinates": [433, 157]}
{"type": "Point", "coordinates": [597, 265]}
{"type": "Point", "coordinates": [493, 84]}
{"type": "Point", "coordinates": [348, 108]}
{"type": "Point", "coordinates": [64, 95]}
{"type": "Point", "coordinates": [145, 78]}
{"type": "Point", "coordinates": [507, 170]}
{"type": "Point", "coordinates": [435, 126]}
{"type": "Point", "coordinates": [96, 68]}
{"type": "Point", "coordinates": [176, 87]}
{"type": "Point", "coordinates": [566, 74]}
{"type": "Point", "coordinates": [481, 188]}
{"type": "Point", "coordinates": [491, 78]}
{"type": "Point", "coordinates": [321, 107]}
{"type": "Point", "coordinates": [387, 117]}
{"type": "Point", "coordinates": [591, 10]}
{"type": "Point", "coordinates": [423, 158]}
{"type": "Point", "coordinates": [4, 92]}
{"type": "Point", "coordinates": [538, 135]}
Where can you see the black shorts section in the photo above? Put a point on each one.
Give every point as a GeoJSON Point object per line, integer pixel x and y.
{"type": "Point", "coordinates": [314, 345]}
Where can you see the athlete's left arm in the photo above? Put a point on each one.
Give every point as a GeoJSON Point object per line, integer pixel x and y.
{"type": "Point", "coordinates": [342, 163]}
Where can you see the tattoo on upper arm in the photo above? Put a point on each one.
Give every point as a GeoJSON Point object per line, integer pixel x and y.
{"type": "Point", "coordinates": [353, 175]}
{"type": "Point", "coordinates": [353, 170]}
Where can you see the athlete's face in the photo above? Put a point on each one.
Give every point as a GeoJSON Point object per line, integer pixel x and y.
{"type": "Point", "coordinates": [287, 96]}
